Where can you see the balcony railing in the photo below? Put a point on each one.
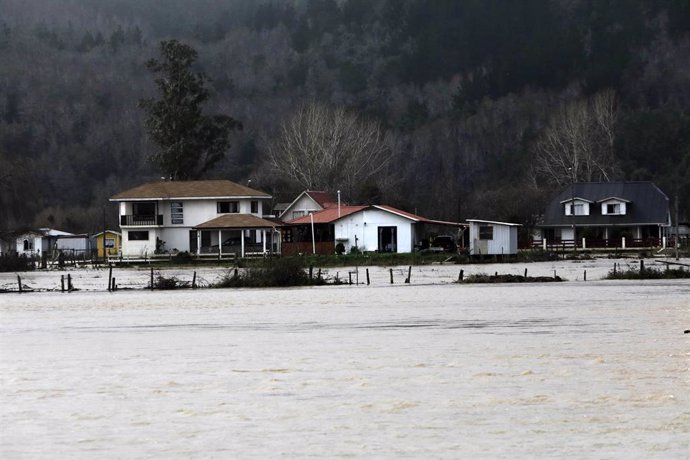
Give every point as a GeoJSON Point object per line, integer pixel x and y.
{"type": "Point", "coordinates": [142, 221]}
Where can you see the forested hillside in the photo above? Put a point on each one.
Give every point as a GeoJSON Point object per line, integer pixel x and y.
{"type": "Point", "coordinates": [484, 106]}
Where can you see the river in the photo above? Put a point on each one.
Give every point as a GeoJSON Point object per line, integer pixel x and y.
{"type": "Point", "coordinates": [576, 369]}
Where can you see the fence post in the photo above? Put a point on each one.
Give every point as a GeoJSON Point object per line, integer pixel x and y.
{"type": "Point", "coordinates": [152, 278]}
{"type": "Point", "coordinates": [461, 276]}
{"type": "Point", "coordinates": [409, 275]}
{"type": "Point", "coordinates": [194, 281]}
{"type": "Point", "coordinates": [543, 244]}
{"type": "Point", "coordinates": [19, 282]}
{"type": "Point", "coordinates": [584, 243]}
{"type": "Point", "coordinates": [391, 276]}
{"type": "Point", "coordinates": [62, 283]}
{"type": "Point", "coordinates": [623, 242]}
{"type": "Point", "coordinates": [367, 277]}
{"type": "Point", "coordinates": [663, 242]}
{"type": "Point", "coordinates": [110, 275]}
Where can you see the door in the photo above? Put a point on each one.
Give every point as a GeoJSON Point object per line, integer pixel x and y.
{"type": "Point", "coordinates": [388, 239]}
{"type": "Point", "coordinates": [192, 242]}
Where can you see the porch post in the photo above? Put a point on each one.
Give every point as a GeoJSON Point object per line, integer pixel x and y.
{"type": "Point", "coordinates": [623, 242]}
{"type": "Point", "coordinates": [242, 243]}
{"type": "Point", "coordinates": [584, 243]}
{"type": "Point", "coordinates": [220, 242]}
{"type": "Point", "coordinates": [543, 244]}
{"type": "Point", "coordinates": [263, 239]}
{"type": "Point", "coordinates": [198, 242]}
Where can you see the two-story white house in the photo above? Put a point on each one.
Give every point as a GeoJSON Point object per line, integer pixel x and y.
{"type": "Point", "coordinates": [201, 217]}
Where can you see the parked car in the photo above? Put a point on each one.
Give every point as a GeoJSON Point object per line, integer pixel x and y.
{"type": "Point", "coordinates": [443, 243]}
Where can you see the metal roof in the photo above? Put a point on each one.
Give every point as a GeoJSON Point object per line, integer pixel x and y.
{"type": "Point", "coordinates": [646, 204]}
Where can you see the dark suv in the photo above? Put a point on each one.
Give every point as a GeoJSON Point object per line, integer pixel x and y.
{"type": "Point", "coordinates": [445, 243]}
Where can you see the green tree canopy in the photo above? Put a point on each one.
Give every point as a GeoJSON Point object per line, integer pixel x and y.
{"type": "Point", "coordinates": [189, 142]}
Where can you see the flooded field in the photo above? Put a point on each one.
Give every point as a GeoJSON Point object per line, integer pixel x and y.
{"type": "Point", "coordinates": [576, 369]}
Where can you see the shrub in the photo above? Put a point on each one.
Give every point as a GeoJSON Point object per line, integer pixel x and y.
{"type": "Point", "coordinates": [16, 263]}
{"type": "Point", "coordinates": [648, 274]}
{"type": "Point", "coordinates": [164, 283]}
{"type": "Point", "coordinates": [279, 272]}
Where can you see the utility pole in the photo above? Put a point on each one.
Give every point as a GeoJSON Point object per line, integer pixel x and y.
{"type": "Point", "coordinates": [677, 232]}
{"type": "Point", "coordinates": [105, 257]}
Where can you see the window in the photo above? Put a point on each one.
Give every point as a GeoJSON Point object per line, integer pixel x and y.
{"type": "Point", "coordinates": [297, 214]}
{"type": "Point", "coordinates": [577, 209]}
{"type": "Point", "coordinates": [228, 207]}
{"type": "Point", "coordinates": [614, 208]}
{"type": "Point", "coordinates": [28, 245]}
{"type": "Point", "coordinates": [254, 207]}
{"type": "Point", "coordinates": [110, 242]}
{"type": "Point", "coordinates": [144, 209]}
{"type": "Point", "coordinates": [486, 232]}
{"type": "Point", "coordinates": [141, 235]}
{"type": "Point", "coordinates": [176, 213]}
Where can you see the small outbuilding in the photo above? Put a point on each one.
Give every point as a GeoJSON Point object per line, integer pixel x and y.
{"type": "Point", "coordinates": [493, 238]}
{"type": "Point", "coordinates": [113, 241]}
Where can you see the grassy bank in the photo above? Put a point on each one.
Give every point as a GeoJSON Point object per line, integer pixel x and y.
{"type": "Point", "coordinates": [643, 273]}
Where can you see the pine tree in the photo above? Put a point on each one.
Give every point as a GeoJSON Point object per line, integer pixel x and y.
{"type": "Point", "coordinates": [189, 142]}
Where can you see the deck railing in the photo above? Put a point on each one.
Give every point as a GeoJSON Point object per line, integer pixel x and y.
{"type": "Point", "coordinates": [609, 243]}
{"type": "Point", "coordinates": [139, 220]}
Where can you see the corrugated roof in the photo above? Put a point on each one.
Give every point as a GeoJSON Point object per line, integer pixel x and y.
{"type": "Point", "coordinates": [400, 212]}
{"type": "Point", "coordinates": [189, 189]}
{"type": "Point", "coordinates": [326, 216]}
{"type": "Point", "coordinates": [323, 199]}
{"type": "Point", "coordinates": [226, 221]}
{"type": "Point", "coordinates": [648, 205]}
{"type": "Point", "coordinates": [330, 215]}
{"type": "Point", "coordinates": [509, 224]}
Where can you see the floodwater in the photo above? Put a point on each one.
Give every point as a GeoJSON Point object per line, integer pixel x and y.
{"type": "Point", "coordinates": [576, 369]}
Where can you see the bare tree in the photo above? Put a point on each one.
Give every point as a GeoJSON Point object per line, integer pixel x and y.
{"type": "Point", "coordinates": [326, 148]}
{"type": "Point", "coordinates": [577, 145]}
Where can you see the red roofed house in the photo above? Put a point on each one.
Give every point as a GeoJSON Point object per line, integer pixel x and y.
{"type": "Point", "coordinates": [307, 202]}
{"type": "Point", "coordinates": [368, 228]}
{"type": "Point", "coordinates": [203, 217]}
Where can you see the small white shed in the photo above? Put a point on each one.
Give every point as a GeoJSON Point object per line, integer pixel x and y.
{"type": "Point", "coordinates": [493, 238]}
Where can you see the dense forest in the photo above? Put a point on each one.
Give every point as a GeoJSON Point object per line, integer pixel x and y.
{"type": "Point", "coordinates": [484, 106]}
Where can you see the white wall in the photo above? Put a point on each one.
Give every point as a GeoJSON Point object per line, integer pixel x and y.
{"type": "Point", "coordinates": [143, 248]}
{"type": "Point", "coordinates": [79, 243]}
{"type": "Point", "coordinates": [504, 240]}
{"type": "Point", "coordinates": [39, 244]}
{"type": "Point", "coordinates": [305, 204]}
{"type": "Point", "coordinates": [365, 226]}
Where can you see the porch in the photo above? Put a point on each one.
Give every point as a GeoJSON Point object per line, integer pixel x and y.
{"type": "Point", "coordinates": [235, 236]}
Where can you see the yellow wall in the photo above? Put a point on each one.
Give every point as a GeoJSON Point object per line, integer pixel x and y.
{"type": "Point", "coordinates": [111, 251]}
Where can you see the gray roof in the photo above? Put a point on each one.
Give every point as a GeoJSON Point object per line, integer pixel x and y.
{"type": "Point", "coordinates": [648, 205]}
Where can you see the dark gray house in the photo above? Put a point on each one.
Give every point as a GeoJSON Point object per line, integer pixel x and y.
{"type": "Point", "coordinates": [603, 213]}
